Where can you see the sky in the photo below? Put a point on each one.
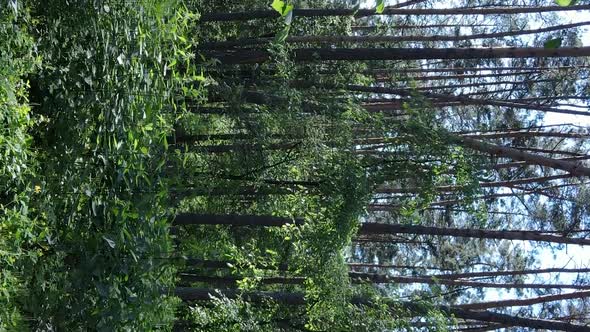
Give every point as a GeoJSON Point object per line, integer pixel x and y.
{"type": "Point", "coordinates": [571, 256]}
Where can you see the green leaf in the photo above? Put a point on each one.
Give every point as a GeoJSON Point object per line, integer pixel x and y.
{"type": "Point", "coordinates": [278, 6]}
{"type": "Point", "coordinates": [282, 7]}
{"type": "Point", "coordinates": [288, 9]}
{"type": "Point", "coordinates": [565, 3]}
{"type": "Point", "coordinates": [380, 6]}
{"type": "Point", "coordinates": [553, 43]}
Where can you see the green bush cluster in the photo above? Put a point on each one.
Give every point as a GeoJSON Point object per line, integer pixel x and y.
{"type": "Point", "coordinates": [84, 223]}
{"type": "Point", "coordinates": [19, 230]}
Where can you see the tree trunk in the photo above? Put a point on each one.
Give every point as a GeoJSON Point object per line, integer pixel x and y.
{"type": "Point", "coordinates": [515, 134]}
{"type": "Point", "coordinates": [384, 189]}
{"type": "Point", "coordinates": [463, 100]}
{"type": "Point", "coordinates": [252, 56]}
{"type": "Point", "coordinates": [524, 302]}
{"type": "Point", "coordinates": [521, 235]}
{"type": "Point", "coordinates": [359, 277]}
{"type": "Point", "coordinates": [514, 154]}
{"type": "Point", "coordinates": [203, 294]}
{"type": "Point", "coordinates": [456, 77]}
{"type": "Point", "coordinates": [235, 220]}
{"type": "Point", "coordinates": [380, 39]}
{"type": "Point", "coordinates": [429, 26]}
{"type": "Point", "coordinates": [534, 323]}
{"type": "Point", "coordinates": [523, 163]}
{"type": "Point", "coordinates": [463, 69]}
{"type": "Point", "coordinates": [226, 148]}
{"type": "Point", "coordinates": [510, 273]}
{"type": "Point", "coordinates": [551, 151]}
{"type": "Point", "coordinates": [232, 280]}
{"type": "Point", "coordinates": [388, 266]}
{"type": "Point", "coordinates": [259, 14]}
{"type": "Point", "coordinates": [449, 202]}
{"type": "Point", "coordinates": [407, 3]}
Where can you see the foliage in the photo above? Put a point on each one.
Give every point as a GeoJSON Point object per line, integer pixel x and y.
{"type": "Point", "coordinates": [20, 231]}
{"type": "Point", "coordinates": [117, 116]}
{"type": "Point", "coordinates": [107, 92]}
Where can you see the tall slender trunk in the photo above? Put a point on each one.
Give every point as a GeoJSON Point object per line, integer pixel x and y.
{"type": "Point", "coordinates": [515, 134]}
{"type": "Point", "coordinates": [259, 14]}
{"type": "Point", "coordinates": [226, 148]}
{"type": "Point", "coordinates": [407, 3]}
{"type": "Point", "coordinates": [522, 235]}
{"type": "Point", "coordinates": [214, 264]}
{"type": "Point", "coordinates": [464, 69]}
{"type": "Point", "coordinates": [204, 294]}
{"type": "Point", "coordinates": [253, 56]}
{"type": "Point", "coordinates": [514, 154]}
{"type": "Point", "coordinates": [456, 77]}
{"type": "Point", "coordinates": [551, 151]}
{"type": "Point", "coordinates": [510, 273]}
{"type": "Point", "coordinates": [524, 302]}
{"type": "Point", "coordinates": [235, 220]}
{"type": "Point", "coordinates": [508, 183]}
{"type": "Point", "coordinates": [534, 323]}
{"type": "Point", "coordinates": [193, 263]}
{"type": "Point", "coordinates": [524, 163]}
{"type": "Point", "coordinates": [450, 202]}
{"type": "Point", "coordinates": [464, 100]}
{"type": "Point", "coordinates": [381, 39]}
{"type": "Point", "coordinates": [430, 26]}
{"type": "Point", "coordinates": [359, 277]}
{"type": "Point", "coordinates": [390, 266]}
{"type": "Point", "coordinates": [232, 280]}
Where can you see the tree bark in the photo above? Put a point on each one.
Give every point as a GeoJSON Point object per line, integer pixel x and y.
{"type": "Point", "coordinates": [407, 3]}
{"type": "Point", "coordinates": [430, 26]}
{"type": "Point", "coordinates": [359, 277]}
{"type": "Point", "coordinates": [509, 183]}
{"type": "Point", "coordinates": [521, 235]}
{"type": "Point", "coordinates": [514, 154]}
{"type": "Point", "coordinates": [463, 69]}
{"type": "Point", "coordinates": [464, 100]}
{"type": "Point", "coordinates": [381, 39]}
{"type": "Point", "coordinates": [524, 302]}
{"type": "Point", "coordinates": [389, 266]}
{"type": "Point", "coordinates": [214, 264]}
{"type": "Point", "coordinates": [523, 163]}
{"type": "Point", "coordinates": [535, 323]}
{"type": "Point", "coordinates": [551, 151]}
{"type": "Point", "coordinates": [533, 133]}
{"type": "Point", "coordinates": [225, 148]}
{"type": "Point", "coordinates": [456, 77]}
{"type": "Point", "coordinates": [510, 273]}
{"type": "Point", "coordinates": [184, 219]}
{"type": "Point", "coordinates": [232, 280]}
{"type": "Point", "coordinates": [253, 56]}
{"type": "Point", "coordinates": [261, 14]}
{"type": "Point", "coordinates": [203, 294]}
